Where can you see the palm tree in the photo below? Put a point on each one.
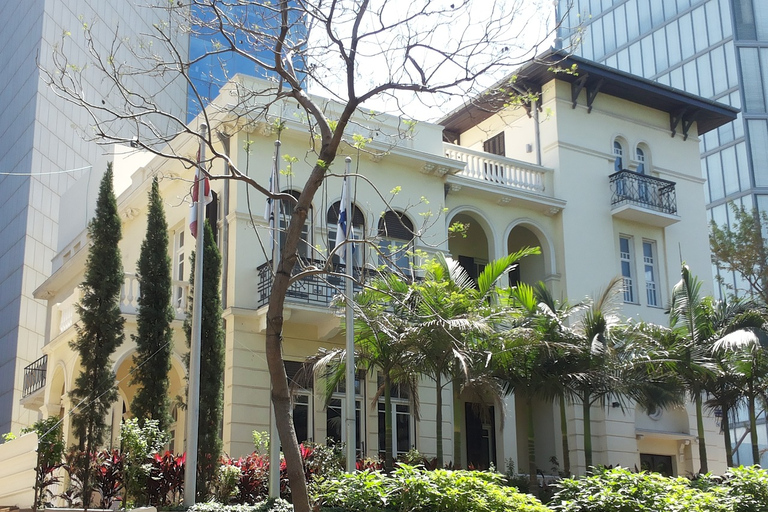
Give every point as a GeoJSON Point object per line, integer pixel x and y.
{"type": "Point", "coordinates": [382, 344]}
{"type": "Point", "coordinates": [532, 366]}
{"type": "Point", "coordinates": [598, 362]}
{"type": "Point", "coordinates": [689, 316]}
{"type": "Point", "coordinates": [453, 316]}
{"type": "Point", "coordinates": [741, 348]}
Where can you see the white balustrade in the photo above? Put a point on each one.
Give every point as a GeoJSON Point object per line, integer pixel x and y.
{"type": "Point", "coordinates": [129, 296]}
{"type": "Point", "coordinates": [504, 171]}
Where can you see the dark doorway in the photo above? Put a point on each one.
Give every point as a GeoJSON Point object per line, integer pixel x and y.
{"type": "Point", "coordinates": [656, 463]}
{"type": "Point", "coordinates": [481, 435]}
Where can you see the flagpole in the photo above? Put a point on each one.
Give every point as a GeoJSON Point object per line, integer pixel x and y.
{"type": "Point", "coordinates": [350, 389]}
{"type": "Point", "coordinates": [274, 436]}
{"type": "Point", "coordinates": [193, 394]}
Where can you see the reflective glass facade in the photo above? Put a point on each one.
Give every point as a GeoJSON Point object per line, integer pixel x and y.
{"type": "Point", "coordinates": [209, 73]}
{"type": "Point", "coordinates": [713, 48]}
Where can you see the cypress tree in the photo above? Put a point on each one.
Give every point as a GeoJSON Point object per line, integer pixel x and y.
{"type": "Point", "coordinates": [154, 338]}
{"type": "Point", "coordinates": [211, 363]}
{"type": "Point", "coordinates": [100, 330]}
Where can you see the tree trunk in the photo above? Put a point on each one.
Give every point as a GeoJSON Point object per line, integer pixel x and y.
{"type": "Point", "coordinates": [388, 462]}
{"type": "Point", "coordinates": [281, 398]}
{"type": "Point", "coordinates": [586, 411]}
{"type": "Point", "coordinates": [564, 438]}
{"type": "Point", "coordinates": [726, 425]}
{"type": "Point", "coordinates": [533, 481]}
{"type": "Point", "coordinates": [459, 423]}
{"type": "Point", "coordinates": [439, 420]}
{"type": "Point", "coordinates": [753, 427]}
{"type": "Point", "coordinates": [700, 433]}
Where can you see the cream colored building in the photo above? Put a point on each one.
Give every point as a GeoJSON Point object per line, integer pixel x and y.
{"type": "Point", "coordinates": [527, 176]}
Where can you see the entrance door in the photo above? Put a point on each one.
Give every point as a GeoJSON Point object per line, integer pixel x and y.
{"type": "Point", "coordinates": [481, 435]}
{"type": "Point", "coordinates": [656, 463]}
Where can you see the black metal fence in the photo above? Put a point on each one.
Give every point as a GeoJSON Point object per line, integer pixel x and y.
{"type": "Point", "coordinates": [34, 376]}
{"type": "Point", "coordinates": [628, 187]}
{"type": "Point", "coordinates": [313, 289]}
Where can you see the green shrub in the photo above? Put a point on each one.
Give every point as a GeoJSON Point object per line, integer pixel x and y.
{"type": "Point", "coordinates": [618, 490]}
{"type": "Point", "coordinates": [269, 505]}
{"type": "Point", "coordinates": [749, 488]}
{"type": "Point", "coordinates": [415, 489]}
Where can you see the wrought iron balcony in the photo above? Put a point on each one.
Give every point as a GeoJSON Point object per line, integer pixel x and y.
{"type": "Point", "coordinates": [313, 289]}
{"type": "Point", "coordinates": [34, 376]}
{"type": "Point", "coordinates": [643, 198]}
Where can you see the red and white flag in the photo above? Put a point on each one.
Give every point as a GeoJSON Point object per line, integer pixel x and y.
{"type": "Point", "coordinates": [207, 199]}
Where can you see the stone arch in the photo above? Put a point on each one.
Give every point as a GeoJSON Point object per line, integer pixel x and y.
{"type": "Point", "coordinates": [478, 246]}
{"type": "Point", "coordinates": [526, 232]}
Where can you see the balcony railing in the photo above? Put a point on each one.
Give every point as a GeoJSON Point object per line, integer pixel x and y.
{"type": "Point", "coordinates": [628, 187]}
{"type": "Point", "coordinates": [314, 289]}
{"type": "Point", "coordinates": [129, 296]}
{"type": "Point", "coordinates": [34, 376]}
{"type": "Point", "coordinates": [500, 170]}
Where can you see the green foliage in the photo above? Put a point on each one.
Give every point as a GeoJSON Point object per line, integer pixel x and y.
{"type": "Point", "coordinates": [619, 490]}
{"type": "Point", "coordinates": [209, 442]}
{"type": "Point", "coordinates": [154, 341]}
{"type": "Point", "coordinates": [749, 488]}
{"type": "Point", "coordinates": [50, 457]}
{"type": "Point", "coordinates": [741, 248]}
{"type": "Point", "coordinates": [415, 490]}
{"type": "Point", "coordinates": [100, 330]}
{"type": "Point", "coordinates": [261, 442]}
{"type": "Point", "coordinates": [139, 443]}
{"type": "Point", "coordinates": [270, 505]}
{"type": "Point", "coordinates": [8, 436]}
{"type": "Point", "coordinates": [227, 479]}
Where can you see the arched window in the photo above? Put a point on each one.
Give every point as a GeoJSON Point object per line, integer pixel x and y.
{"type": "Point", "coordinates": [358, 231]}
{"type": "Point", "coordinates": [304, 248]}
{"type": "Point", "coordinates": [640, 156]}
{"type": "Point", "coordinates": [395, 240]}
{"type": "Point", "coordinates": [618, 153]}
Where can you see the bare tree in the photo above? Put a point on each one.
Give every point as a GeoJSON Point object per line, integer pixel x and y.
{"type": "Point", "coordinates": [404, 54]}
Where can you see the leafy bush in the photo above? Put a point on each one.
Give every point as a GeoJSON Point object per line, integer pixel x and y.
{"type": "Point", "coordinates": [166, 479]}
{"type": "Point", "coordinates": [749, 488]}
{"type": "Point", "coordinates": [50, 457]}
{"type": "Point", "coordinates": [619, 490]}
{"type": "Point", "coordinates": [416, 489]}
{"type": "Point", "coordinates": [269, 505]}
{"type": "Point", "coordinates": [139, 444]}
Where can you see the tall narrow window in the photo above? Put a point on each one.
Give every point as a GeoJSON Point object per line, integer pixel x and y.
{"type": "Point", "coordinates": [495, 145]}
{"type": "Point", "coordinates": [649, 265]}
{"type": "Point", "coordinates": [640, 161]}
{"type": "Point", "coordinates": [402, 421]}
{"type": "Point", "coordinates": [618, 153]}
{"type": "Point", "coordinates": [179, 290]}
{"type": "Point", "coordinates": [286, 212]}
{"type": "Point", "coordinates": [300, 380]}
{"type": "Point", "coordinates": [358, 231]}
{"type": "Point", "coordinates": [335, 415]}
{"type": "Point", "coordinates": [625, 251]}
{"type": "Point", "coordinates": [395, 241]}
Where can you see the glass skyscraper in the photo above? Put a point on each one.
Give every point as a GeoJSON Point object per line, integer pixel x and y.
{"type": "Point", "coordinates": [717, 49]}
{"type": "Point", "coordinates": [207, 74]}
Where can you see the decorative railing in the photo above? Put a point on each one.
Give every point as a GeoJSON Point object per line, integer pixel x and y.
{"type": "Point", "coordinates": [129, 296]}
{"type": "Point", "coordinates": [628, 187]}
{"type": "Point", "coordinates": [313, 289]}
{"type": "Point", "coordinates": [34, 376]}
{"type": "Point", "coordinates": [500, 170]}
